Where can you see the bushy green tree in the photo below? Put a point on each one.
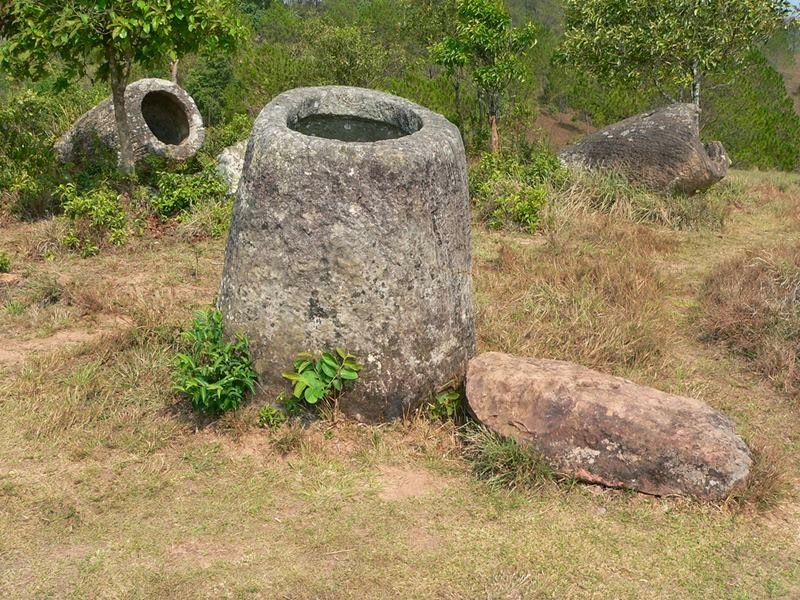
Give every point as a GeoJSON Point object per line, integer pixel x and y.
{"type": "Point", "coordinates": [754, 117]}
{"type": "Point", "coordinates": [670, 44]}
{"type": "Point", "coordinates": [111, 35]}
{"type": "Point", "coordinates": [490, 49]}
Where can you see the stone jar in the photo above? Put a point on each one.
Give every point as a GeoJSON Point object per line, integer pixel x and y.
{"type": "Point", "coordinates": [350, 241]}
{"type": "Point", "coordinates": [660, 150]}
{"type": "Point", "coordinates": [163, 120]}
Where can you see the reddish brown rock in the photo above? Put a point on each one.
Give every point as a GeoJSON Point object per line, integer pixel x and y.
{"type": "Point", "coordinates": [606, 429]}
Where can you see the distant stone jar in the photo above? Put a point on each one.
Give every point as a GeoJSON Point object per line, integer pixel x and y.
{"type": "Point", "coordinates": [163, 120]}
{"type": "Point", "coordinates": [660, 150]}
{"type": "Point", "coordinates": [351, 228]}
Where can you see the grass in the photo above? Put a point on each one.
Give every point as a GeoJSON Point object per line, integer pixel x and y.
{"type": "Point", "coordinates": [502, 462]}
{"type": "Point", "coordinates": [110, 486]}
{"type": "Point", "coordinates": [751, 303]}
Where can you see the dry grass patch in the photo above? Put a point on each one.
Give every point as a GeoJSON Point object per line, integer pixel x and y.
{"type": "Point", "coordinates": [769, 484]}
{"type": "Point", "coordinates": [751, 304]}
{"type": "Point", "coordinates": [590, 293]}
{"type": "Point", "coordinates": [612, 194]}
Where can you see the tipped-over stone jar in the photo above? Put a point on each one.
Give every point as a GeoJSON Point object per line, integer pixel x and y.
{"type": "Point", "coordinates": [163, 120]}
{"type": "Point", "coordinates": [351, 228]}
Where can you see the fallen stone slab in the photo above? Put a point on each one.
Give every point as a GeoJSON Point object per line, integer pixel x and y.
{"type": "Point", "coordinates": [660, 150]}
{"type": "Point", "coordinates": [163, 120]}
{"type": "Point", "coordinates": [606, 429]}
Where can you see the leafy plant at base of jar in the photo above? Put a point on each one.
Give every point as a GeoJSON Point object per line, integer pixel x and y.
{"type": "Point", "coordinates": [322, 378]}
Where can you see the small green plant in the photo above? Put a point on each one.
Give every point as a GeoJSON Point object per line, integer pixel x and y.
{"type": "Point", "coordinates": [96, 216]}
{"type": "Point", "coordinates": [446, 403]}
{"type": "Point", "coordinates": [271, 417]}
{"type": "Point", "coordinates": [5, 263]}
{"type": "Point", "coordinates": [214, 374]}
{"type": "Point", "coordinates": [502, 462]}
{"type": "Point", "coordinates": [323, 377]}
{"type": "Point", "coordinates": [14, 308]}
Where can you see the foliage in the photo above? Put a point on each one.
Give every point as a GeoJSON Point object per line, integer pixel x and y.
{"type": "Point", "coordinates": [447, 402]}
{"type": "Point", "coordinates": [30, 121]}
{"type": "Point", "coordinates": [96, 217]}
{"type": "Point", "coordinates": [323, 377]}
{"type": "Point", "coordinates": [487, 46]}
{"type": "Point", "coordinates": [347, 55]}
{"type": "Point", "coordinates": [178, 192]}
{"type": "Point", "coordinates": [271, 417]}
{"type": "Point", "coordinates": [206, 77]}
{"type": "Point", "coordinates": [754, 117]}
{"type": "Point", "coordinates": [502, 462]}
{"type": "Point", "coordinates": [509, 190]}
{"type": "Point", "coordinates": [672, 44]}
{"type": "Point", "coordinates": [5, 263]}
{"type": "Point", "coordinates": [111, 35]}
{"type": "Point", "coordinates": [237, 129]}
{"type": "Point", "coordinates": [214, 374]}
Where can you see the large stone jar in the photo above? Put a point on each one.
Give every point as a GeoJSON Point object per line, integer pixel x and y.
{"type": "Point", "coordinates": [351, 228]}
{"type": "Point", "coordinates": [163, 120]}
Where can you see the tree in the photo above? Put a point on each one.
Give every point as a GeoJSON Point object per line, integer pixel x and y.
{"type": "Point", "coordinates": [490, 49]}
{"type": "Point", "coordinates": [111, 35]}
{"type": "Point", "coordinates": [671, 45]}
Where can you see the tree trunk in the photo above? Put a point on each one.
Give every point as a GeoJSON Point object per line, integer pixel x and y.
{"type": "Point", "coordinates": [495, 135]}
{"type": "Point", "coordinates": [494, 108]}
{"type": "Point", "coordinates": [457, 93]}
{"type": "Point", "coordinates": [696, 84]}
{"type": "Point", "coordinates": [119, 82]}
{"type": "Point", "coordinates": [173, 71]}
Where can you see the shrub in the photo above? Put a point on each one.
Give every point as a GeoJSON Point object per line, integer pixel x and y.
{"type": "Point", "coordinates": [509, 190]}
{"type": "Point", "coordinates": [237, 129]}
{"type": "Point", "coordinates": [96, 217]}
{"type": "Point", "coordinates": [751, 304]}
{"type": "Point", "coordinates": [322, 378]}
{"type": "Point", "coordinates": [502, 462]}
{"type": "Point", "coordinates": [754, 117]}
{"type": "Point", "coordinates": [30, 121]}
{"type": "Point", "coordinates": [5, 263]}
{"type": "Point", "coordinates": [214, 374]}
{"type": "Point", "coordinates": [178, 192]}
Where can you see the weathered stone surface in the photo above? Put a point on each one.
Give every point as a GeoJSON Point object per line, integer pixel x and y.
{"type": "Point", "coordinates": [606, 429]}
{"type": "Point", "coordinates": [162, 118]}
{"type": "Point", "coordinates": [661, 150]}
{"type": "Point", "coordinates": [364, 245]}
{"type": "Point", "coordinates": [230, 163]}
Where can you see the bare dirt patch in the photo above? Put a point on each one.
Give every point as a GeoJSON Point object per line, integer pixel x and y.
{"type": "Point", "coordinates": [15, 351]}
{"type": "Point", "coordinates": [204, 554]}
{"type": "Point", "coordinates": [402, 483]}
